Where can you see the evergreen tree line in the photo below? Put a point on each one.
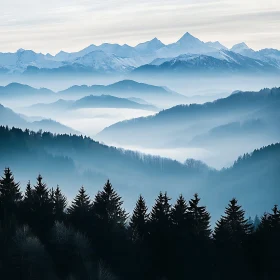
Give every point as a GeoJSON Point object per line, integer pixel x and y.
{"type": "Point", "coordinates": [41, 237]}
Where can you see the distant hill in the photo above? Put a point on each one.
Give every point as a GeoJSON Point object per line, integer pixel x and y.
{"type": "Point", "coordinates": [10, 118]}
{"type": "Point", "coordinates": [91, 101]}
{"type": "Point", "coordinates": [108, 101]}
{"type": "Point", "coordinates": [16, 90]}
{"type": "Point", "coordinates": [128, 89]}
{"type": "Point", "coordinates": [244, 121]}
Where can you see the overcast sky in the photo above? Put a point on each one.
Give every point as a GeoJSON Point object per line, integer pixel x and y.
{"type": "Point", "coordinates": [70, 25]}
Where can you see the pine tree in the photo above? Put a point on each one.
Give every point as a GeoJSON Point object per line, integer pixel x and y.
{"type": "Point", "coordinates": [138, 234]}
{"type": "Point", "coordinates": [275, 219]}
{"type": "Point", "coordinates": [200, 218]}
{"type": "Point", "coordinates": [10, 195]}
{"type": "Point", "coordinates": [160, 229]}
{"type": "Point", "coordinates": [180, 217]}
{"type": "Point", "coordinates": [230, 236]}
{"type": "Point", "coordinates": [256, 223]}
{"type": "Point", "coordinates": [139, 220]}
{"type": "Point", "coordinates": [107, 207]}
{"type": "Point", "coordinates": [59, 204]}
{"type": "Point", "coordinates": [235, 218]}
{"type": "Point", "coordinates": [27, 206]}
{"type": "Point", "coordinates": [180, 238]}
{"type": "Point", "coordinates": [109, 230]}
{"type": "Point", "coordinates": [161, 211]}
{"type": "Point", "coordinates": [265, 224]}
{"type": "Point", "coordinates": [79, 211]}
{"type": "Point", "coordinates": [42, 209]}
{"type": "Point", "coordinates": [221, 233]}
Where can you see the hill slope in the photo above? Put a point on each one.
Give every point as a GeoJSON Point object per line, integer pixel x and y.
{"type": "Point", "coordinates": [72, 161]}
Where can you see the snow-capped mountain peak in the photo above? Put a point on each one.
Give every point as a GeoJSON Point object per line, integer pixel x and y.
{"type": "Point", "coordinates": [216, 45]}
{"type": "Point", "coordinates": [239, 47]}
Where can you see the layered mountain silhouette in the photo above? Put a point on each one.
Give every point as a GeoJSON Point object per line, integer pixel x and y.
{"type": "Point", "coordinates": [125, 89]}
{"type": "Point", "coordinates": [250, 119]}
{"type": "Point", "coordinates": [16, 90]}
{"type": "Point", "coordinates": [85, 161]}
{"type": "Point", "coordinates": [128, 89]}
{"type": "Point", "coordinates": [91, 101]}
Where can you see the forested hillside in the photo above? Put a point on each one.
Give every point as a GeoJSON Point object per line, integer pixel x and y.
{"type": "Point", "coordinates": [72, 161]}
{"type": "Point", "coordinates": [43, 237]}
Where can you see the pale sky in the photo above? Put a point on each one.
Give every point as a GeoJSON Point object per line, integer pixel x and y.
{"type": "Point", "coordinates": [70, 25]}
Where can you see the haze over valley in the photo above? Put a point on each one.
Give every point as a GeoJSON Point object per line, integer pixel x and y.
{"type": "Point", "coordinates": [167, 104]}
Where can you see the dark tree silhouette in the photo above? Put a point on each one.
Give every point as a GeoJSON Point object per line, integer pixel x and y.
{"type": "Point", "coordinates": [231, 236]}
{"type": "Point", "coordinates": [59, 204]}
{"type": "Point", "coordinates": [160, 229]}
{"type": "Point", "coordinates": [10, 196]}
{"type": "Point", "coordinates": [181, 225]}
{"type": "Point", "coordinates": [109, 227]}
{"type": "Point", "coordinates": [200, 218]}
{"type": "Point", "coordinates": [79, 211]}
{"type": "Point", "coordinates": [38, 240]}
{"type": "Point", "coordinates": [42, 209]}
{"type": "Point", "coordinates": [139, 220]}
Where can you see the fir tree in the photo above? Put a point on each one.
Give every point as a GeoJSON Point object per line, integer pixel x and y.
{"type": "Point", "coordinates": [160, 229]}
{"type": "Point", "coordinates": [161, 211]}
{"type": "Point", "coordinates": [139, 219]}
{"type": "Point", "coordinates": [107, 207]}
{"type": "Point", "coordinates": [59, 204]}
{"type": "Point", "coordinates": [180, 217]}
{"type": "Point", "coordinates": [275, 218]}
{"type": "Point", "coordinates": [230, 235]}
{"type": "Point", "coordinates": [256, 223]}
{"type": "Point", "coordinates": [27, 206]}
{"type": "Point", "coordinates": [200, 218]}
{"type": "Point", "coordinates": [235, 219]}
{"type": "Point", "coordinates": [10, 195]}
{"type": "Point", "coordinates": [265, 224]}
{"type": "Point", "coordinates": [109, 230]}
{"type": "Point", "coordinates": [42, 208]}
{"type": "Point", "coordinates": [180, 238]}
{"type": "Point", "coordinates": [79, 210]}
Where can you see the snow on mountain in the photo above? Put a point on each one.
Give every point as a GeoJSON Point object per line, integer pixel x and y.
{"type": "Point", "coordinates": [149, 46]}
{"type": "Point", "coordinates": [123, 58]}
{"type": "Point", "coordinates": [219, 61]}
{"type": "Point", "coordinates": [239, 47]}
{"type": "Point", "coordinates": [102, 62]}
{"type": "Point", "coordinates": [18, 62]}
{"type": "Point", "coordinates": [187, 44]}
{"type": "Point", "coordinates": [216, 45]}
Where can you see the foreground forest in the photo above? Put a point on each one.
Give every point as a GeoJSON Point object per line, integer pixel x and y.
{"type": "Point", "coordinates": [42, 236]}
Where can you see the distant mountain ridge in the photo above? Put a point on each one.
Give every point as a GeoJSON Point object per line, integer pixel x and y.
{"type": "Point", "coordinates": [115, 58]}
{"type": "Point", "coordinates": [189, 121]}
{"type": "Point", "coordinates": [92, 101]}
{"type": "Point", "coordinates": [222, 61]}
{"type": "Point", "coordinates": [10, 118]}
{"type": "Point", "coordinates": [122, 89]}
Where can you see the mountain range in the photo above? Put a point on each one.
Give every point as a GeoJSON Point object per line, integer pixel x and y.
{"type": "Point", "coordinates": [114, 58]}
{"type": "Point", "coordinates": [91, 101]}
{"type": "Point", "coordinates": [126, 89]}
{"type": "Point", "coordinates": [251, 119]}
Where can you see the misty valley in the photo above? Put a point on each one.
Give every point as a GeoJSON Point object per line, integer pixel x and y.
{"type": "Point", "coordinates": [159, 161]}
